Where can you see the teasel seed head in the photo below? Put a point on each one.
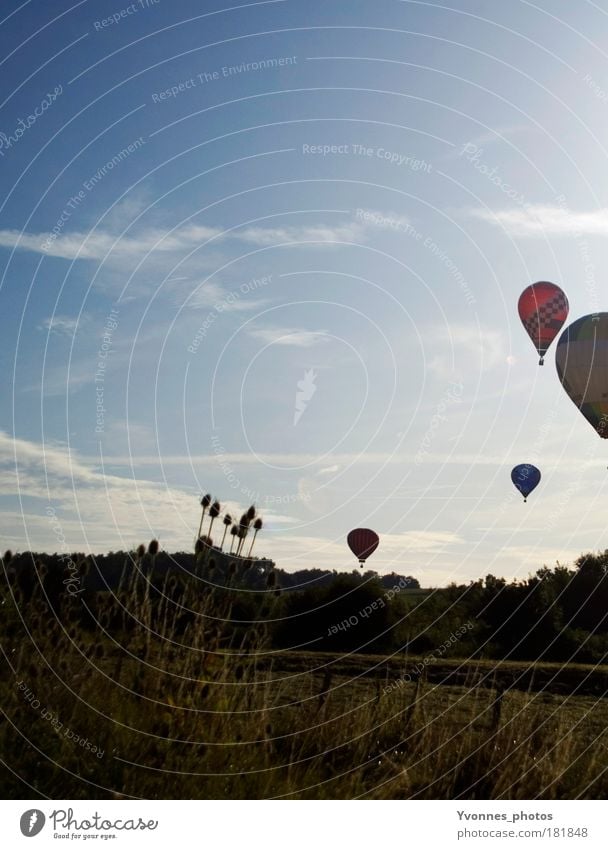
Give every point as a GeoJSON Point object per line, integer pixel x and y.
{"type": "Point", "coordinates": [202, 543]}
{"type": "Point", "coordinates": [84, 567]}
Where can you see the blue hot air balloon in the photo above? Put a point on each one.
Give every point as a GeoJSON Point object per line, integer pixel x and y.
{"type": "Point", "coordinates": [526, 478]}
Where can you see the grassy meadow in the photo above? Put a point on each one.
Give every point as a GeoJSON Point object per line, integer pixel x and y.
{"type": "Point", "coordinates": [149, 692]}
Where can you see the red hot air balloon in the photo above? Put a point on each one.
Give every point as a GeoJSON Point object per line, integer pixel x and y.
{"type": "Point", "coordinates": [362, 542]}
{"type": "Point", "coordinates": [543, 308]}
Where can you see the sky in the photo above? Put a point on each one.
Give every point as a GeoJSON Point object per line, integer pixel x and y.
{"type": "Point", "coordinates": [273, 251]}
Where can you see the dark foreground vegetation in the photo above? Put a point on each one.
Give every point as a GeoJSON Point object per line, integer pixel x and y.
{"type": "Point", "coordinates": [556, 615]}
{"type": "Point", "coordinates": [233, 680]}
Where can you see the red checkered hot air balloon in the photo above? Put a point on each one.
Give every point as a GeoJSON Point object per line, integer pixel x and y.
{"type": "Point", "coordinates": [362, 542]}
{"type": "Point", "coordinates": [543, 309]}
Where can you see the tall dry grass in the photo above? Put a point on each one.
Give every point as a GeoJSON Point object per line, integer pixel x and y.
{"type": "Point", "coordinates": [175, 703]}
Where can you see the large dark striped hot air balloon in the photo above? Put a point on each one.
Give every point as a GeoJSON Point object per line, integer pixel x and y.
{"type": "Point", "coordinates": [581, 360]}
{"type": "Point", "coordinates": [543, 308]}
{"type": "Point", "coordinates": [526, 478]}
{"type": "Point", "coordinates": [362, 542]}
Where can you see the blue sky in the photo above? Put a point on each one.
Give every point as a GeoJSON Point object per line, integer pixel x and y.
{"type": "Point", "coordinates": [294, 234]}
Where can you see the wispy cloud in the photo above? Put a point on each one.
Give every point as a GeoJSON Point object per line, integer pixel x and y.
{"type": "Point", "coordinates": [64, 325]}
{"type": "Point", "coordinates": [463, 348]}
{"type": "Point", "coordinates": [430, 542]}
{"type": "Point", "coordinates": [274, 236]}
{"type": "Point", "coordinates": [99, 244]}
{"type": "Point", "coordinates": [545, 220]}
{"type": "Point", "coordinates": [211, 295]}
{"type": "Point", "coordinates": [374, 458]}
{"type": "Point", "coordinates": [488, 137]}
{"type": "Point", "coordinates": [384, 220]}
{"type": "Point", "coordinates": [289, 336]}
{"type": "Point", "coordinates": [97, 510]}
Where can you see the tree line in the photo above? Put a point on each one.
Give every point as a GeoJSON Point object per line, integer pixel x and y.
{"type": "Point", "coordinates": [557, 614]}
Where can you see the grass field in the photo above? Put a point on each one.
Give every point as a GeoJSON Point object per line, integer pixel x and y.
{"type": "Point", "coordinates": [140, 704]}
{"type": "Point", "coordinates": [573, 679]}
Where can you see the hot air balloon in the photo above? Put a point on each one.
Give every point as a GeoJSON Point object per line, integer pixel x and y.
{"type": "Point", "coordinates": [526, 477]}
{"type": "Point", "coordinates": [581, 360]}
{"type": "Point", "coordinates": [362, 542]}
{"type": "Point", "coordinates": [543, 308]}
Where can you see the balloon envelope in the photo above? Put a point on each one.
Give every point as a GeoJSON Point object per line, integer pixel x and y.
{"type": "Point", "coordinates": [526, 477]}
{"type": "Point", "coordinates": [543, 308]}
{"type": "Point", "coordinates": [581, 360]}
{"type": "Point", "coordinates": [362, 542]}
